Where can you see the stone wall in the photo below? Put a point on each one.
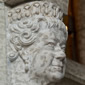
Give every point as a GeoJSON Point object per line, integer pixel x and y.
{"type": "Point", "coordinates": [2, 46]}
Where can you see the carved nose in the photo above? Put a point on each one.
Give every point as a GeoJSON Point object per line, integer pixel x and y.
{"type": "Point", "coordinates": [60, 56]}
{"type": "Point", "coordinates": [58, 60]}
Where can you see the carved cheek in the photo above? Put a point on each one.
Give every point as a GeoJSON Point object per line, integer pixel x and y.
{"type": "Point", "coordinates": [43, 60]}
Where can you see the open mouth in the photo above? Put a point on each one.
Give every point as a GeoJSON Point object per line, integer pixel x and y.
{"type": "Point", "coordinates": [55, 68]}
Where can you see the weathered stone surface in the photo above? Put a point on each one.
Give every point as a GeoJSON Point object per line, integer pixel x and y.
{"type": "Point", "coordinates": [3, 64]}
{"type": "Point", "coordinates": [75, 72]}
{"type": "Point", "coordinates": [36, 40]}
{"type": "Point", "coordinates": [62, 3]}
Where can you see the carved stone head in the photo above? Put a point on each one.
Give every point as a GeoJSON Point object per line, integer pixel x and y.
{"type": "Point", "coordinates": [36, 42]}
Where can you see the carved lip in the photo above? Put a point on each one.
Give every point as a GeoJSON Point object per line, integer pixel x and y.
{"type": "Point", "coordinates": [55, 68]}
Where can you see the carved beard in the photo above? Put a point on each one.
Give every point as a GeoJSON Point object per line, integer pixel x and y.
{"type": "Point", "coordinates": [40, 65]}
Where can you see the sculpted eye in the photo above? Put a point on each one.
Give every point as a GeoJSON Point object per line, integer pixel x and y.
{"type": "Point", "coordinates": [63, 47]}
{"type": "Point", "coordinates": [50, 45]}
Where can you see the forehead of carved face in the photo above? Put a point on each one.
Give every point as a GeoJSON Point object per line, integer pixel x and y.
{"type": "Point", "coordinates": [51, 34]}
{"type": "Point", "coordinates": [50, 60]}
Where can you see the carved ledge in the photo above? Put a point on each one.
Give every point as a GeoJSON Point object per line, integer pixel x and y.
{"type": "Point", "coordinates": [75, 72]}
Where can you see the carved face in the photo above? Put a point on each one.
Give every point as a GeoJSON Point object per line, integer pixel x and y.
{"type": "Point", "coordinates": [36, 44]}
{"type": "Point", "coordinates": [41, 46]}
{"type": "Point", "coordinates": [50, 61]}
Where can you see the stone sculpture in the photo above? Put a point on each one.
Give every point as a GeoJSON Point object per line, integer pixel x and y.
{"type": "Point", "coordinates": [36, 44]}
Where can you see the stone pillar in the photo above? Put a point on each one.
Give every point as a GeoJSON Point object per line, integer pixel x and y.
{"type": "Point", "coordinates": [2, 45]}
{"type": "Point", "coordinates": [79, 16]}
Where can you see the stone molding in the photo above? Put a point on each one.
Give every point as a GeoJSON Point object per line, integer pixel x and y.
{"type": "Point", "coordinates": [75, 72]}
{"type": "Point", "coordinates": [62, 3]}
{"type": "Point", "coordinates": [37, 8]}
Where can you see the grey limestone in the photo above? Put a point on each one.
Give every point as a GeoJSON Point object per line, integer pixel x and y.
{"type": "Point", "coordinates": [3, 64]}
{"type": "Point", "coordinates": [62, 3]}
{"type": "Point", "coordinates": [75, 73]}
